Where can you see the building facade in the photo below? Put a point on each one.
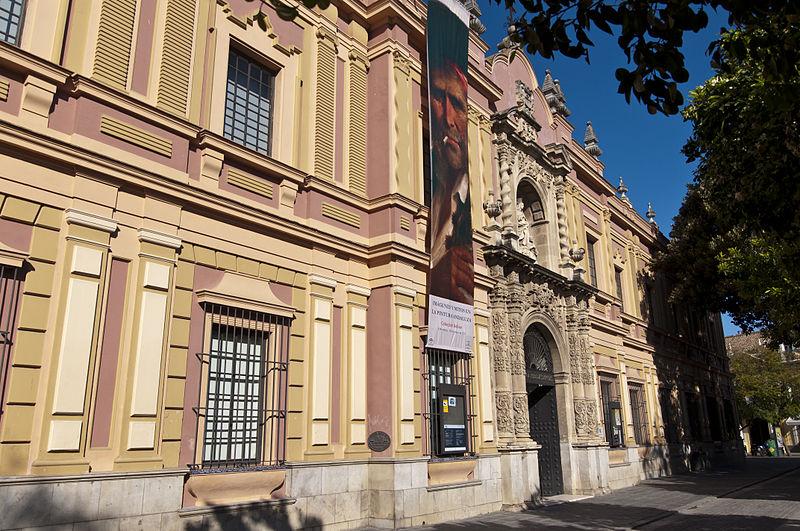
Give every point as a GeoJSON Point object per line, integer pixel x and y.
{"type": "Point", "coordinates": [214, 262]}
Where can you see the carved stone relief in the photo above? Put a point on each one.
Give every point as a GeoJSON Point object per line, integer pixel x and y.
{"type": "Point", "coordinates": [505, 423]}
{"type": "Point", "coordinates": [585, 417]}
{"type": "Point", "coordinates": [521, 421]}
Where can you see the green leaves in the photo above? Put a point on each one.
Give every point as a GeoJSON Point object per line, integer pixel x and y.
{"type": "Point", "coordinates": [763, 384]}
{"type": "Point", "coordinates": [735, 243]}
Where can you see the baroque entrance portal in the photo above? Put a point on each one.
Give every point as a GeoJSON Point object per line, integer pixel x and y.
{"type": "Point", "coordinates": [543, 410]}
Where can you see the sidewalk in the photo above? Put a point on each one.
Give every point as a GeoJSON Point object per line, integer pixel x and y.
{"type": "Point", "coordinates": [764, 494]}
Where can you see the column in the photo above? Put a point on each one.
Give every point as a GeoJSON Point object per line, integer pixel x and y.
{"type": "Point", "coordinates": [484, 380]}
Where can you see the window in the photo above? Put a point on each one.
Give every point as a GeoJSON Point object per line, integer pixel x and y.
{"type": "Point", "coordinates": [639, 412]}
{"type": "Point", "coordinates": [667, 415]}
{"type": "Point", "coordinates": [11, 20]}
{"type": "Point", "coordinates": [248, 103]}
{"type": "Point", "coordinates": [10, 283]}
{"type": "Point", "coordinates": [590, 243]}
{"type": "Point", "coordinates": [618, 282]}
{"type": "Point", "coordinates": [612, 411]}
{"type": "Point", "coordinates": [732, 428]}
{"type": "Point", "coordinates": [447, 380]}
{"type": "Point", "coordinates": [694, 419]}
{"type": "Point", "coordinates": [714, 420]}
{"type": "Point", "coordinates": [242, 424]}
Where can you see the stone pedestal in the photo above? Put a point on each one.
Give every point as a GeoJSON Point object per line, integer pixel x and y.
{"type": "Point", "coordinates": [588, 473]}
{"type": "Point", "coordinates": [519, 470]}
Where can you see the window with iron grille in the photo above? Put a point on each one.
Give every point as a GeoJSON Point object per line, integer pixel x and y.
{"type": "Point", "coordinates": [10, 283]}
{"type": "Point", "coordinates": [732, 428]}
{"type": "Point", "coordinates": [695, 420]}
{"type": "Point", "coordinates": [714, 420]}
{"type": "Point", "coordinates": [447, 388]}
{"type": "Point", "coordinates": [667, 415]}
{"type": "Point", "coordinates": [639, 412]}
{"type": "Point", "coordinates": [11, 20]}
{"type": "Point", "coordinates": [248, 103]}
{"type": "Point", "coordinates": [590, 243]}
{"type": "Point", "coordinates": [242, 417]}
{"type": "Point", "coordinates": [612, 411]}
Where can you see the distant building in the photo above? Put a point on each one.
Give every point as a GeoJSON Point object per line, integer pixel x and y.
{"type": "Point", "coordinates": [214, 270]}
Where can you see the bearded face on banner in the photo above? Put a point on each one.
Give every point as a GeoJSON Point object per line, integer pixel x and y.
{"type": "Point", "coordinates": [451, 249]}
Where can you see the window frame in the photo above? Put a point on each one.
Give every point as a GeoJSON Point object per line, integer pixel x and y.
{"type": "Point", "coordinates": [639, 413]}
{"type": "Point", "coordinates": [273, 392]}
{"type": "Point", "coordinates": [459, 375]}
{"type": "Point", "coordinates": [609, 402]}
{"type": "Point", "coordinates": [253, 60]}
{"type": "Point", "coordinates": [591, 259]}
{"type": "Point", "coordinates": [618, 284]}
{"type": "Point", "coordinates": [20, 24]}
{"type": "Point", "coordinates": [11, 287]}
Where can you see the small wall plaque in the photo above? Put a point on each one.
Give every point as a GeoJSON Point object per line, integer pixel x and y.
{"type": "Point", "coordinates": [378, 441]}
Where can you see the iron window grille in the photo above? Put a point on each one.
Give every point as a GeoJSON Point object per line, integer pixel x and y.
{"type": "Point", "coordinates": [11, 15]}
{"type": "Point", "coordinates": [10, 284]}
{"type": "Point", "coordinates": [612, 411]}
{"type": "Point", "coordinates": [714, 420]}
{"type": "Point", "coordinates": [695, 420]}
{"type": "Point", "coordinates": [590, 243]}
{"type": "Point", "coordinates": [444, 370]}
{"type": "Point", "coordinates": [248, 103]}
{"type": "Point", "coordinates": [639, 412]}
{"type": "Point", "coordinates": [668, 416]}
{"type": "Point", "coordinates": [242, 420]}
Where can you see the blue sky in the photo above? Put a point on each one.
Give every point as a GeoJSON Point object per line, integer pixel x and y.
{"type": "Point", "coordinates": [644, 149]}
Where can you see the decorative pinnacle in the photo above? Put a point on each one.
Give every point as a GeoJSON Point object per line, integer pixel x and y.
{"type": "Point", "coordinates": [590, 143]}
{"type": "Point", "coordinates": [650, 214]}
{"type": "Point", "coordinates": [474, 16]}
{"type": "Point", "coordinates": [623, 190]}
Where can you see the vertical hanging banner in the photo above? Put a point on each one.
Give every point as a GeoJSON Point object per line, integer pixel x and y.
{"type": "Point", "coordinates": [450, 308]}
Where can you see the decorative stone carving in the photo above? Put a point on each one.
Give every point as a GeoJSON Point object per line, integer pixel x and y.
{"type": "Point", "coordinates": [502, 363]}
{"type": "Point", "coordinates": [505, 422]}
{"type": "Point", "coordinates": [524, 96]}
{"type": "Point", "coordinates": [524, 240]}
{"type": "Point", "coordinates": [515, 340]}
{"type": "Point", "coordinates": [585, 417]}
{"type": "Point", "coordinates": [574, 359]}
{"type": "Point", "coordinates": [521, 421]}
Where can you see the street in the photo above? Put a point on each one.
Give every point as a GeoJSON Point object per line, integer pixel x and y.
{"type": "Point", "coordinates": [763, 495]}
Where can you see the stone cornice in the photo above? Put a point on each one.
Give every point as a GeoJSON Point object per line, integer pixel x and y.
{"type": "Point", "coordinates": [92, 221]}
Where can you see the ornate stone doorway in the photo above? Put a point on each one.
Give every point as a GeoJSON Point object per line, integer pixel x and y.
{"type": "Point", "coordinates": [543, 410]}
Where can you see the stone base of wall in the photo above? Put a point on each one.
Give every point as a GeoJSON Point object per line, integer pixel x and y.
{"type": "Point", "coordinates": [383, 493]}
{"type": "Point", "coordinates": [146, 500]}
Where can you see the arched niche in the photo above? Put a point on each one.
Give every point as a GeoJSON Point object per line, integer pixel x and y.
{"type": "Point", "coordinates": [535, 211]}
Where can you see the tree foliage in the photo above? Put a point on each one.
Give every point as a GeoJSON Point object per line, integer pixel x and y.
{"type": "Point", "coordinates": [735, 243]}
{"type": "Point", "coordinates": [766, 387]}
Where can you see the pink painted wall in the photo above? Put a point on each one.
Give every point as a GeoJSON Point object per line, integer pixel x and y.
{"type": "Point", "coordinates": [144, 46]}
{"type": "Point", "coordinates": [109, 354]}
{"type": "Point", "coordinates": [379, 364]}
{"type": "Point", "coordinates": [378, 102]}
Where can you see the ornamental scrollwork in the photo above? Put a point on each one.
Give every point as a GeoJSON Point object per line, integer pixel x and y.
{"type": "Point", "coordinates": [499, 338]}
{"type": "Point", "coordinates": [521, 421]}
{"type": "Point", "coordinates": [505, 423]}
{"type": "Point", "coordinates": [585, 417]}
{"type": "Point", "coordinates": [575, 360]}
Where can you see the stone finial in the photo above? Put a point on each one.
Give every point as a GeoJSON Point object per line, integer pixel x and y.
{"type": "Point", "coordinates": [622, 189]}
{"type": "Point", "coordinates": [590, 143]}
{"type": "Point", "coordinates": [576, 254]}
{"type": "Point", "coordinates": [475, 23]}
{"type": "Point", "coordinates": [554, 95]}
{"type": "Point", "coordinates": [650, 214]}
